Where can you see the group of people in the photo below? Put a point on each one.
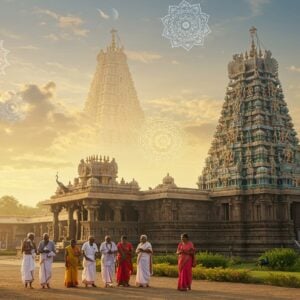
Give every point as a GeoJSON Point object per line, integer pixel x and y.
{"type": "Point", "coordinates": [114, 258]}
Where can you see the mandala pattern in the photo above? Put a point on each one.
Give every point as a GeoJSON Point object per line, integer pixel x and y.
{"type": "Point", "coordinates": [161, 139]}
{"type": "Point", "coordinates": [13, 109]}
{"type": "Point", "coordinates": [186, 25]}
{"type": "Point", "coordinates": [3, 58]}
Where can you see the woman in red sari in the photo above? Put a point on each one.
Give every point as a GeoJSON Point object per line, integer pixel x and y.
{"type": "Point", "coordinates": [124, 261]}
{"type": "Point", "coordinates": [185, 252]}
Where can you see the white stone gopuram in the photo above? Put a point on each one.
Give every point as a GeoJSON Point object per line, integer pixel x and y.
{"type": "Point", "coordinates": [112, 102]}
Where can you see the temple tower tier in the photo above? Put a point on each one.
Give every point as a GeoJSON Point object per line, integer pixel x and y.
{"type": "Point", "coordinates": [255, 144]}
{"type": "Point", "coordinates": [112, 103]}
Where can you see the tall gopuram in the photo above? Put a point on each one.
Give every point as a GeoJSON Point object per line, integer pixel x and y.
{"type": "Point", "coordinates": [253, 167]}
{"type": "Point", "coordinates": [112, 102]}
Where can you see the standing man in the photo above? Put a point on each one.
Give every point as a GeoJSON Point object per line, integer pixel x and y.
{"type": "Point", "coordinates": [46, 249]}
{"type": "Point", "coordinates": [89, 250]}
{"type": "Point", "coordinates": [108, 250]}
{"type": "Point", "coordinates": [28, 264]}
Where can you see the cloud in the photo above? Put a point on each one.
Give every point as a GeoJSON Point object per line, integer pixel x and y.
{"type": "Point", "coordinates": [115, 14]}
{"type": "Point", "coordinates": [35, 141]}
{"type": "Point", "coordinates": [143, 56]}
{"type": "Point", "coordinates": [294, 69]}
{"type": "Point", "coordinates": [190, 112]}
{"type": "Point", "coordinates": [257, 6]}
{"type": "Point", "coordinates": [28, 47]}
{"type": "Point", "coordinates": [9, 34]}
{"type": "Point", "coordinates": [70, 24]}
{"type": "Point", "coordinates": [103, 14]}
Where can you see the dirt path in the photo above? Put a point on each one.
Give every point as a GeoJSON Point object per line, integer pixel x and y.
{"type": "Point", "coordinates": [161, 288]}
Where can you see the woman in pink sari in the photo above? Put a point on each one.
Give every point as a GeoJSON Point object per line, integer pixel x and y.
{"type": "Point", "coordinates": [186, 253]}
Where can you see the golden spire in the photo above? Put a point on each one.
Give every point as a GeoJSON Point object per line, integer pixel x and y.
{"type": "Point", "coordinates": [113, 39]}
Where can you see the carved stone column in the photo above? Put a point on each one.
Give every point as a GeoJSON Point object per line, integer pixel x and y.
{"type": "Point", "coordinates": [55, 210]}
{"type": "Point", "coordinates": [71, 223]}
{"type": "Point", "coordinates": [78, 224]}
{"type": "Point", "coordinates": [91, 212]}
{"type": "Point", "coordinates": [117, 207]}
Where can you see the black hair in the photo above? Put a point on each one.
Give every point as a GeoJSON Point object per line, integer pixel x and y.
{"type": "Point", "coordinates": [185, 235]}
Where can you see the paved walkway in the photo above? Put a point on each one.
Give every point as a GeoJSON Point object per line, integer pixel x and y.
{"type": "Point", "coordinates": [161, 288]}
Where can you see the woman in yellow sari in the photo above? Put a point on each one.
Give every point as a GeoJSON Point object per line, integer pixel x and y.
{"type": "Point", "coordinates": [72, 255]}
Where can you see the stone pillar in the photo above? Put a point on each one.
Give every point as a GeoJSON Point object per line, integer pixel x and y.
{"type": "Point", "coordinates": [91, 212]}
{"type": "Point", "coordinates": [263, 210]}
{"type": "Point", "coordinates": [117, 209]}
{"type": "Point", "coordinates": [78, 224]}
{"type": "Point", "coordinates": [236, 209]}
{"type": "Point", "coordinates": [55, 210]}
{"type": "Point", "coordinates": [71, 225]}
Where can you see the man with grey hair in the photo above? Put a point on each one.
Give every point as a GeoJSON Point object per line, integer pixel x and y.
{"type": "Point", "coordinates": [47, 250]}
{"type": "Point", "coordinates": [108, 250]}
{"type": "Point", "coordinates": [29, 253]}
{"type": "Point", "coordinates": [89, 250]}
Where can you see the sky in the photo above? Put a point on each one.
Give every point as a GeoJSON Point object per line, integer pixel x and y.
{"type": "Point", "coordinates": [53, 47]}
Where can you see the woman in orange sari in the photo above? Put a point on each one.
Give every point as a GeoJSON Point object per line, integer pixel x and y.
{"type": "Point", "coordinates": [72, 255]}
{"type": "Point", "coordinates": [186, 253]}
{"type": "Point", "coordinates": [124, 261]}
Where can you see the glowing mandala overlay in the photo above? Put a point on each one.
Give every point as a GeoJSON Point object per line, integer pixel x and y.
{"type": "Point", "coordinates": [3, 58]}
{"type": "Point", "coordinates": [186, 25]}
{"type": "Point", "coordinates": [13, 109]}
{"type": "Point", "coordinates": [161, 139]}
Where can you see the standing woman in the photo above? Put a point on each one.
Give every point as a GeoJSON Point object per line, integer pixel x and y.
{"type": "Point", "coordinates": [144, 262]}
{"type": "Point", "coordinates": [72, 255]}
{"type": "Point", "coordinates": [28, 262]}
{"type": "Point", "coordinates": [124, 261]}
{"type": "Point", "coordinates": [186, 253]}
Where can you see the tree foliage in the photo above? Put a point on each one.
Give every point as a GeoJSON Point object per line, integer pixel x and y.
{"type": "Point", "coordinates": [10, 206]}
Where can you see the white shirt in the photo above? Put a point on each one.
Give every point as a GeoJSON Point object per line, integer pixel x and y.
{"type": "Point", "coordinates": [108, 259]}
{"type": "Point", "coordinates": [90, 250]}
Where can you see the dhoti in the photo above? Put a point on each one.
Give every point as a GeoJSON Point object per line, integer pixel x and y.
{"type": "Point", "coordinates": [27, 268]}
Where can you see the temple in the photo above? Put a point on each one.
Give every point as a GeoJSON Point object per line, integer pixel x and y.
{"type": "Point", "coordinates": [248, 196]}
{"type": "Point", "coordinates": [112, 103]}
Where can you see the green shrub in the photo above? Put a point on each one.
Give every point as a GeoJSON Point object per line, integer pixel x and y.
{"type": "Point", "coordinates": [210, 260]}
{"type": "Point", "coordinates": [170, 259]}
{"type": "Point", "coordinates": [283, 280]}
{"type": "Point", "coordinates": [280, 258]}
{"type": "Point", "coordinates": [165, 269]}
{"type": "Point", "coordinates": [216, 274]}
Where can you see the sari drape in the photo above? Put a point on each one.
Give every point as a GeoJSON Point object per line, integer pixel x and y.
{"type": "Point", "coordinates": [72, 261]}
{"type": "Point", "coordinates": [185, 264]}
{"type": "Point", "coordinates": [144, 265]}
{"type": "Point", "coordinates": [124, 263]}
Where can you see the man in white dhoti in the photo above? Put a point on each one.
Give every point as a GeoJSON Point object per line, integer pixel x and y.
{"type": "Point", "coordinates": [144, 262]}
{"type": "Point", "coordinates": [28, 264]}
{"type": "Point", "coordinates": [47, 250]}
{"type": "Point", "coordinates": [108, 250]}
{"type": "Point", "coordinates": [89, 250]}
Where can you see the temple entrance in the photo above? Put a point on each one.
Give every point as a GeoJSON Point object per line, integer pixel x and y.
{"type": "Point", "coordinates": [295, 215]}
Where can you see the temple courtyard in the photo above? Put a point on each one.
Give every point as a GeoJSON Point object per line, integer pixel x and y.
{"type": "Point", "coordinates": [161, 288]}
